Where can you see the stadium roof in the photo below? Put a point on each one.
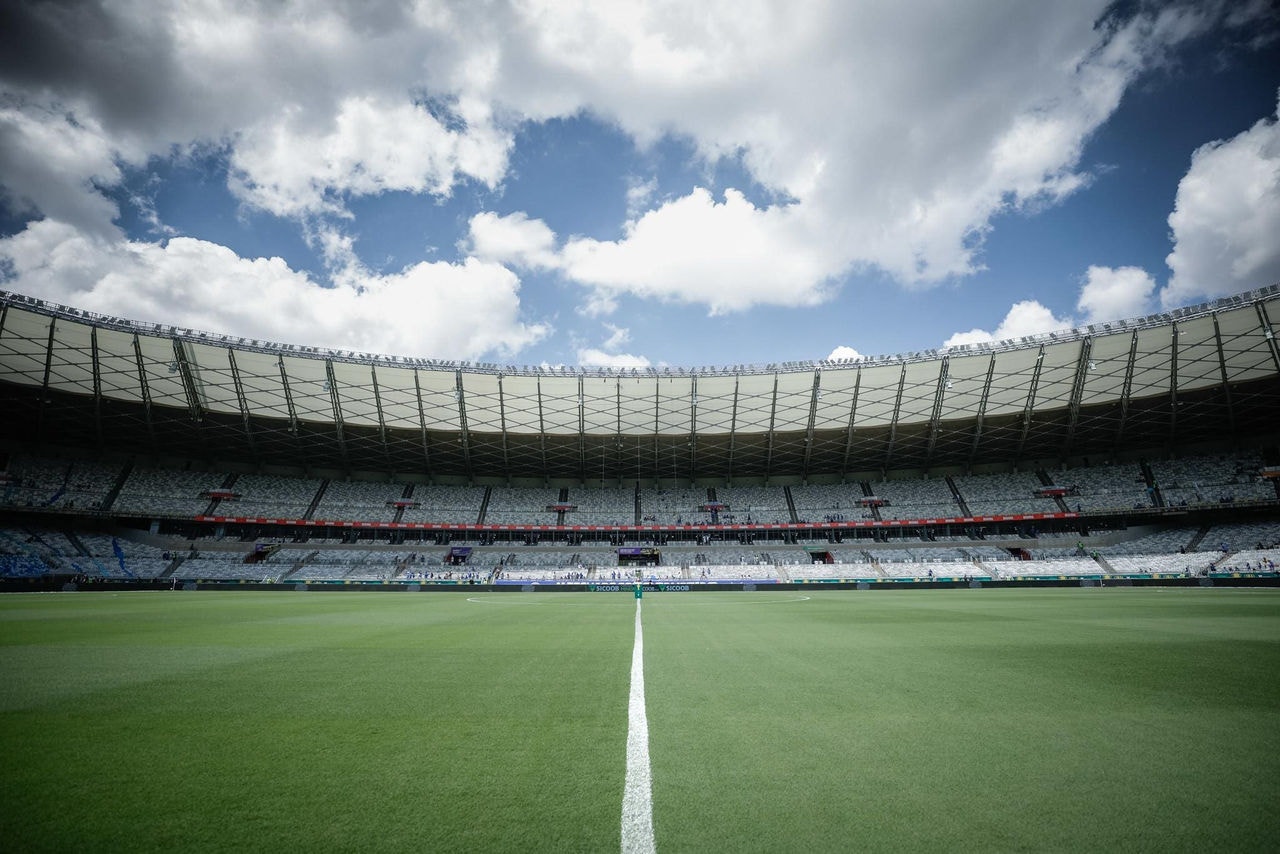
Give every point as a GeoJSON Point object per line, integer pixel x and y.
{"type": "Point", "coordinates": [1208, 373]}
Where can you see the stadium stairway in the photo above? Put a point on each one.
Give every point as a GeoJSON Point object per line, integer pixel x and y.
{"type": "Point", "coordinates": [955, 493]}
{"type": "Point", "coordinates": [1046, 480]}
{"type": "Point", "coordinates": [406, 495]}
{"type": "Point", "coordinates": [114, 491]}
{"type": "Point", "coordinates": [868, 492]}
{"type": "Point", "coordinates": [563, 498]}
{"type": "Point", "coordinates": [791, 504]}
{"type": "Point", "coordinates": [227, 483]}
{"type": "Point", "coordinates": [77, 544]}
{"type": "Point", "coordinates": [315, 500]}
{"type": "Point", "coordinates": [1195, 541]}
{"type": "Point", "coordinates": [297, 565]}
{"type": "Point", "coordinates": [1153, 488]}
{"type": "Point", "coordinates": [1107, 567]}
{"type": "Point", "coordinates": [172, 567]}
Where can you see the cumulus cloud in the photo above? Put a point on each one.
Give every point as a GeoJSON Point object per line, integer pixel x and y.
{"type": "Point", "coordinates": [373, 145]}
{"type": "Point", "coordinates": [908, 161]}
{"type": "Point", "coordinates": [1106, 294]}
{"type": "Point", "coordinates": [843, 352]}
{"type": "Point", "coordinates": [905, 173]}
{"type": "Point", "coordinates": [1226, 218]}
{"type": "Point", "coordinates": [639, 195]}
{"type": "Point", "coordinates": [596, 358]}
{"type": "Point", "coordinates": [728, 255]}
{"type": "Point", "coordinates": [1114, 293]}
{"type": "Point", "coordinates": [465, 310]}
{"type": "Point", "coordinates": [1027, 317]}
{"type": "Point", "coordinates": [53, 165]}
{"type": "Point", "coordinates": [875, 162]}
{"type": "Point", "coordinates": [312, 103]}
{"type": "Point", "coordinates": [607, 355]}
{"type": "Point", "coordinates": [514, 239]}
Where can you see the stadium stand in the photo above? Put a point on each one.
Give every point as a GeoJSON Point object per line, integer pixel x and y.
{"type": "Point", "coordinates": [916, 499]}
{"type": "Point", "coordinates": [187, 483]}
{"type": "Point", "coordinates": [603, 506]}
{"type": "Point", "coordinates": [1105, 488]}
{"type": "Point", "coordinates": [1003, 493]}
{"type": "Point", "coordinates": [167, 492]}
{"type": "Point", "coordinates": [1200, 480]}
{"type": "Point", "coordinates": [357, 500]}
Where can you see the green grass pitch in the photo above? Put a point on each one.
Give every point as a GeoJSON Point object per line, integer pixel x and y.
{"type": "Point", "coordinates": [942, 720]}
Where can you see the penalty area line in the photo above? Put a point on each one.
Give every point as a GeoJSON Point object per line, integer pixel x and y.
{"type": "Point", "coordinates": [637, 794]}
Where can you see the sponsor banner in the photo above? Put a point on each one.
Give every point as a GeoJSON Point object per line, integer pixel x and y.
{"type": "Point", "coordinates": [737, 526]}
{"type": "Point", "coordinates": [647, 588]}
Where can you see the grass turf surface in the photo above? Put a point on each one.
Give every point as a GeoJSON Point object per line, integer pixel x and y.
{"type": "Point", "coordinates": [1077, 719]}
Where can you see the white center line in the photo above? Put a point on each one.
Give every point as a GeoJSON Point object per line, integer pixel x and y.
{"type": "Point", "coordinates": [637, 801]}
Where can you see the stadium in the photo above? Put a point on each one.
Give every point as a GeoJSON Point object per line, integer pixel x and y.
{"type": "Point", "coordinates": [1104, 503]}
{"type": "Point", "coordinates": [440, 426]}
{"type": "Point", "coordinates": [1132, 449]}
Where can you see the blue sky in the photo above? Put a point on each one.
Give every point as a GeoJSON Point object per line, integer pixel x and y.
{"type": "Point", "coordinates": [638, 183]}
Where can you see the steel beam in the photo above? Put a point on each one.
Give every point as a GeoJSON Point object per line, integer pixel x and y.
{"type": "Point", "coordinates": [97, 385]}
{"type": "Point", "coordinates": [145, 389]}
{"type": "Point", "coordinates": [693, 426]}
{"type": "Point", "coordinates": [332, 382]}
{"type": "Point", "coordinates": [893, 423]}
{"type": "Point", "coordinates": [853, 413]}
{"type": "Point", "coordinates": [243, 403]}
{"type": "Point", "coordinates": [935, 415]}
{"type": "Point", "coordinates": [1077, 394]}
{"type": "Point", "coordinates": [1127, 389]}
{"type": "Point", "coordinates": [773, 415]}
{"type": "Point", "coordinates": [814, 396]}
{"type": "Point", "coordinates": [465, 437]}
{"type": "Point", "coordinates": [44, 384]}
{"type": "Point", "coordinates": [1226, 383]}
{"type": "Point", "coordinates": [422, 425]}
{"type": "Point", "coordinates": [1173, 383]}
{"type": "Point", "coordinates": [980, 420]}
{"type": "Point", "coordinates": [188, 380]}
{"type": "Point", "coordinates": [1029, 409]}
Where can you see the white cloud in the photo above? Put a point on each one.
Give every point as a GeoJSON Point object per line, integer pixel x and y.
{"type": "Point", "coordinates": [54, 164]}
{"type": "Point", "coordinates": [890, 165]}
{"type": "Point", "coordinates": [465, 310]}
{"type": "Point", "coordinates": [908, 161]}
{"type": "Point", "coordinates": [1115, 293]}
{"type": "Point", "coordinates": [727, 255]}
{"type": "Point", "coordinates": [607, 355]}
{"type": "Point", "coordinates": [882, 163]}
{"type": "Point", "coordinates": [618, 336]}
{"type": "Point", "coordinates": [1027, 317]}
{"type": "Point", "coordinates": [843, 352]}
{"type": "Point", "coordinates": [1226, 218]}
{"type": "Point", "coordinates": [515, 240]}
{"type": "Point", "coordinates": [639, 194]}
{"type": "Point", "coordinates": [1106, 293]}
{"type": "Point", "coordinates": [373, 145]}
{"type": "Point", "coordinates": [596, 358]}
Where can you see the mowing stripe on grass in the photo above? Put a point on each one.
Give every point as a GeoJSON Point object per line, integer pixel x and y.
{"type": "Point", "coordinates": [637, 802]}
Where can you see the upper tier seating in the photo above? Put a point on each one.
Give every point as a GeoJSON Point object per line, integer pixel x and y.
{"type": "Point", "coordinates": [1004, 493]}
{"type": "Point", "coordinates": [916, 499]}
{"type": "Point", "coordinates": [167, 492]}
